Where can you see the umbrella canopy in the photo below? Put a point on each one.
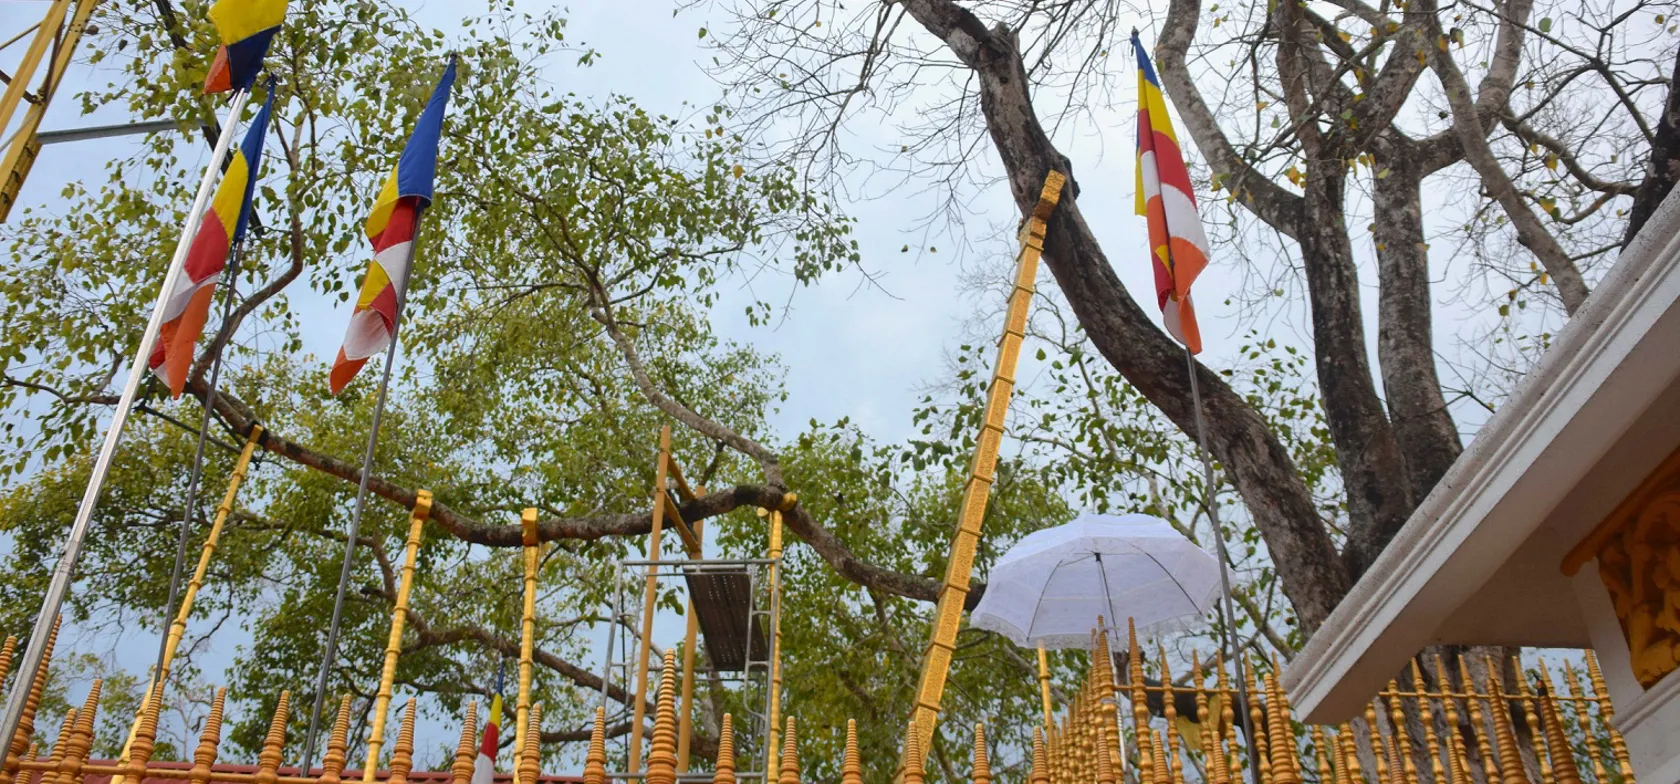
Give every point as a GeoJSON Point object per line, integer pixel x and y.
{"type": "Point", "coordinates": [1051, 586]}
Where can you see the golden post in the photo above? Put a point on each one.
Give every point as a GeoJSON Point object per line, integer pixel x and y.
{"type": "Point", "coordinates": [178, 628]}
{"type": "Point", "coordinates": [660, 472]}
{"type": "Point", "coordinates": [772, 749]}
{"type": "Point", "coordinates": [26, 144]}
{"type": "Point", "coordinates": [1044, 684]}
{"type": "Point", "coordinates": [953, 592]}
{"type": "Point", "coordinates": [528, 631]}
{"type": "Point", "coordinates": [393, 644]}
{"type": "Point", "coordinates": [685, 721]}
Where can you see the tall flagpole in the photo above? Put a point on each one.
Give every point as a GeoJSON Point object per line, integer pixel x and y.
{"type": "Point", "coordinates": [361, 503]}
{"type": "Point", "coordinates": [59, 587]}
{"type": "Point", "coordinates": [1228, 608]}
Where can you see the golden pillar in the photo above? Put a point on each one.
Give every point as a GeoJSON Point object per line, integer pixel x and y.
{"type": "Point", "coordinates": [393, 643]}
{"type": "Point", "coordinates": [532, 550]}
{"type": "Point", "coordinates": [649, 595]}
{"type": "Point", "coordinates": [724, 771]}
{"type": "Point", "coordinates": [977, 487]}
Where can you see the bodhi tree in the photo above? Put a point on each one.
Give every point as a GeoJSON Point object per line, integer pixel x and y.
{"type": "Point", "coordinates": [1349, 142]}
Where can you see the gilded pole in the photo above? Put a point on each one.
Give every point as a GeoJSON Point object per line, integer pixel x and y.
{"type": "Point", "coordinates": [649, 595]}
{"type": "Point", "coordinates": [773, 749]}
{"type": "Point", "coordinates": [685, 714]}
{"type": "Point", "coordinates": [393, 644]}
{"type": "Point", "coordinates": [178, 627]}
{"type": "Point", "coordinates": [977, 487]}
{"type": "Point", "coordinates": [527, 634]}
{"type": "Point", "coordinates": [1044, 684]}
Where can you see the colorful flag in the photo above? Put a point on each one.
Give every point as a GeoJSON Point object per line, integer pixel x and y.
{"type": "Point", "coordinates": [407, 192]}
{"type": "Point", "coordinates": [223, 226]}
{"type": "Point", "coordinates": [1178, 247]}
{"type": "Point", "coordinates": [246, 27]}
{"type": "Point", "coordinates": [484, 768]}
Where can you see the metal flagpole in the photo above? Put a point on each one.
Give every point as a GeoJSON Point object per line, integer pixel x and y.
{"type": "Point", "coordinates": [361, 503]}
{"type": "Point", "coordinates": [166, 653]}
{"type": "Point", "coordinates": [1227, 608]}
{"type": "Point", "coordinates": [59, 587]}
{"type": "Point", "coordinates": [191, 505]}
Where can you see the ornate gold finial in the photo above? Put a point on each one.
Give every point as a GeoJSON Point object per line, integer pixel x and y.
{"type": "Point", "coordinates": [81, 738]}
{"type": "Point", "coordinates": [58, 747]}
{"type": "Point", "coordinates": [1478, 724]}
{"type": "Point", "coordinates": [1456, 773]}
{"type": "Point", "coordinates": [1161, 766]}
{"type": "Point", "coordinates": [1326, 773]}
{"type": "Point", "coordinates": [1536, 733]}
{"type": "Point", "coordinates": [1510, 760]}
{"type": "Point", "coordinates": [1108, 701]}
{"type": "Point", "coordinates": [1169, 710]}
{"type": "Point", "coordinates": [1377, 747]}
{"type": "Point", "coordinates": [402, 755]}
{"type": "Point", "coordinates": [1228, 721]}
{"type": "Point", "coordinates": [1140, 699]}
{"type": "Point", "coordinates": [912, 757]}
{"type": "Point", "coordinates": [34, 756]}
{"type": "Point", "coordinates": [338, 745]}
{"type": "Point", "coordinates": [1402, 743]}
{"type": "Point", "coordinates": [26, 723]}
{"type": "Point", "coordinates": [530, 764]}
{"type": "Point", "coordinates": [1426, 715]}
{"type": "Point", "coordinates": [595, 764]}
{"type": "Point", "coordinates": [268, 761]}
{"type": "Point", "coordinates": [1584, 719]}
{"type": "Point", "coordinates": [1283, 750]}
{"type": "Point", "coordinates": [1105, 768]}
{"type": "Point", "coordinates": [1208, 726]}
{"type": "Point", "coordinates": [145, 736]}
{"type": "Point", "coordinates": [724, 773]}
{"type": "Point", "coordinates": [465, 755]}
{"type": "Point", "coordinates": [851, 769]}
{"type": "Point", "coordinates": [1052, 757]}
{"type": "Point", "coordinates": [662, 755]}
{"type": "Point", "coordinates": [1040, 773]}
{"type": "Point", "coordinates": [1563, 755]}
{"type": "Point", "coordinates": [209, 740]}
{"type": "Point", "coordinates": [982, 771]}
{"type": "Point", "coordinates": [790, 756]}
{"type": "Point", "coordinates": [1348, 750]}
{"type": "Point", "coordinates": [6, 651]}
{"type": "Point", "coordinates": [1606, 711]}
{"type": "Point", "coordinates": [1257, 720]}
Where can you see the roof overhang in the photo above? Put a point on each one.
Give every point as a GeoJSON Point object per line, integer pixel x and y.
{"type": "Point", "coordinates": [1478, 562]}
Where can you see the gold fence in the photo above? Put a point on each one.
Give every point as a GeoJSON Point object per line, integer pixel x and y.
{"type": "Point", "coordinates": [68, 761]}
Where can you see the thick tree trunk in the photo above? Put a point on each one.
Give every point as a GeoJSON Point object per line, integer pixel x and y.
{"type": "Point", "coordinates": [1260, 467]}
{"type": "Point", "coordinates": [1663, 170]}
{"type": "Point", "coordinates": [1423, 426]}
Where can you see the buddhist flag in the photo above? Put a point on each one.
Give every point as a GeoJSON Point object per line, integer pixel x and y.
{"type": "Point", "coordinates": [484, 768]}
{"type": "Point", "coordinates": [246, 27]}
{"type": "Point", "coordinates": [407, 192]}
{"type": "Point", "coordinates": [223, 226]}
{"type": "Point", "coordinates": [1178, 247]}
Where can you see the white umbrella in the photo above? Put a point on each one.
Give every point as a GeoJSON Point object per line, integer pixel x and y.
{"type": "Point", "coordinates": [1051, 586]}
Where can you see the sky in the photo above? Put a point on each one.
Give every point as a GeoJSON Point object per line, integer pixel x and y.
{"type": "Point", "coordinates": [848, 349]}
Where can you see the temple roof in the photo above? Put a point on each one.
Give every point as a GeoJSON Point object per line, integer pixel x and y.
{"type": "Point", "coordinates": [1479, 560]}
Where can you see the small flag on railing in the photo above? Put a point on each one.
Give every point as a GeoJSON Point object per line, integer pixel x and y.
{"type": "Point", "coordinates": [1178, 247]}
{"type": "Point", "coordinates": [246, 27]}
{"type": "Point", "coordinates": [484, 768]}
{"type": "Point", "coordinates": [223, 226]}
{"type": "Point", "coordinates": [407, 192]}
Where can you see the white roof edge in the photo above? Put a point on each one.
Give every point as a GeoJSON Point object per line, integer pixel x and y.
{"type": "Point", "coordinates": [1366, 622]}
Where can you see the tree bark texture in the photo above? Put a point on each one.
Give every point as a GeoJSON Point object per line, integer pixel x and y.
{"type": "Point", "coordinates": [1664, 168]}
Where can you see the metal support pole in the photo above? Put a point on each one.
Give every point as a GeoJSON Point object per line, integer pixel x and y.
{"type": "Point", "coordinates": [1228, 617]}
{"type": "Point", "coordinates": [59, 586]}
{"type": "Point", "coordinates": [685, 725]}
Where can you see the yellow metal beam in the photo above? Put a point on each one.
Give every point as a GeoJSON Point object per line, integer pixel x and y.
{"type": "Point", "coordinates": [20, 155]}
{"type": "Point", "coordinates": [936, 660]}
